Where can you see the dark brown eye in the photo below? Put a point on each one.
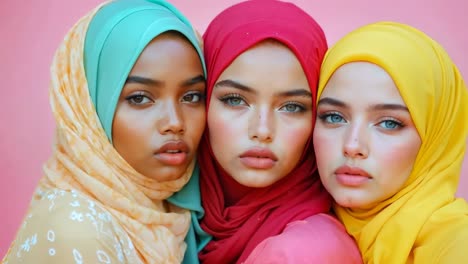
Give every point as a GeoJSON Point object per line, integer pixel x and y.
{"type": "Point", "coordinates": [138, 99]}
{"type": "Point", "coordinates": [192, 97]}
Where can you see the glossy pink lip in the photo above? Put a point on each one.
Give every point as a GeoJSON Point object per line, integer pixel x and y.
{"type": "Point", "coordinates": [258, 158]}
{"type": "Point", "coordinates": [172, 153]}
{"type": "Point", "coordinates": [352, 176]}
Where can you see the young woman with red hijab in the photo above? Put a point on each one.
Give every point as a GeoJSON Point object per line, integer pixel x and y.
{"type": "Point", "coordinates": [260, 189]}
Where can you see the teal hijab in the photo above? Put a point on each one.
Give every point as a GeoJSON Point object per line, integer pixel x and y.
{"type": "Point", "coordinates": [116, 36]}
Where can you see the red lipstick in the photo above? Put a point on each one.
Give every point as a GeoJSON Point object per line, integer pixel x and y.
{"type": "Point", "coordinates": [258, 158]}
{"type": "Point", "coordinates": [352, 176]}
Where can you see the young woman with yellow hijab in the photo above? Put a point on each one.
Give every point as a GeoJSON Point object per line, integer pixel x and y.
{"type": "Point", "coordinates": [390, 141]}
{"type": "Point", "coordinates": [121, 186]}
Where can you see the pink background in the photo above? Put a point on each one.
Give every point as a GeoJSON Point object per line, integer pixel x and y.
{"type": "Point", "coordinates": [30, 32]}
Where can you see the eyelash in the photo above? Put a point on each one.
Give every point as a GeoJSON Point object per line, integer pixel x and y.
{"type": "Point", "coordinates": [226, 99]}
{"type": "Point", "coordinates": [398, 123]}
{"type": "Point", "coordinates": [131, 99]}
{"type": "Point", "coordinates": [299, 106]}
{"type": "Point", "coordinates": [201, 96]}
{"type": "Point", "coordinates": [326, 116]}
{"type": "Point", "coordinates": [141, 96]}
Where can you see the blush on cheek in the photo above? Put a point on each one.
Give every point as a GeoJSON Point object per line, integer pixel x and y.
{"type": "Point", "coordinates": [321, 140]}
{"type": "Point", "coordinates": [396, 154]}
{"type": "Point", "coordinates": [223, 133]}
{"type": "Point", "coordinates": [295, 139]}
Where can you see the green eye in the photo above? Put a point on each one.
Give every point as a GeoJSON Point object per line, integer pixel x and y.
{"type": "Point", "coordinates": [292, 107]}
{"type": "Point", "coordinates": [233, 100]}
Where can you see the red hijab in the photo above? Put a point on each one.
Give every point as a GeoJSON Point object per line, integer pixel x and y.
{"type": "Point", "coordinates": [239, 217]}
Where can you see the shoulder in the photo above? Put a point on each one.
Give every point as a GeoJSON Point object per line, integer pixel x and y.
{"type": "Point", "coordinates": [66, 227]}
{"type": "Point", "coordinates": [319, 238]}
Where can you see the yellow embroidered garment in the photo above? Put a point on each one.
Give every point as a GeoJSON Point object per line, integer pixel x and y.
{"type": "Point", "coordinates": [423, 222]}
{"type": "Point", "coordinates": [92, 206]}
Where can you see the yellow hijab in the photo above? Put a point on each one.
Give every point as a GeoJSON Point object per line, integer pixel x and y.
{"type": "Point", "coordinates": [423, 221]}
{"type": "Point", "coordinates": [84, 160]}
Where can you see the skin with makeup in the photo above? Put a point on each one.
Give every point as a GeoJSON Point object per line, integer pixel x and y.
{"type": "Point", "coordinates": [371, 128]}
{"type": "Point", "coordinates": [260, 189]}
{"type": "Point", "coordinates": [252, 102]}
{"type": "Point", "coordinates": [390, 139]}
{"type": "Point", "coordinates": [265, 110]}
{"type": "Point", "coordinates": [128, 95]}
{"type": "Point", "coordinates": [158, 105]}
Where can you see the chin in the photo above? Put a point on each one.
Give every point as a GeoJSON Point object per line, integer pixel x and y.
{"type": "Point", "coordinates": [255, 182]}
{"type": "Point", "coordinates": [353, 202]}
{"type": "Point", "coordinates": [346, 201]}
{"type": "Point", "coordinates": [168, 175]}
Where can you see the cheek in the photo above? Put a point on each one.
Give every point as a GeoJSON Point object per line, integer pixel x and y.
{"type": "Point", "coordinates": [323, 146]}
{"type": "Point", "coordinates": [399, 156]}
{"type": "Point", "coordinates": [195, 122]}
{"type": "Point", "coordinates": [223, 130]}
{"type": "Point", "coordinates": [294, 137]}
{"type": "Point", "coordinates": [130, 135]}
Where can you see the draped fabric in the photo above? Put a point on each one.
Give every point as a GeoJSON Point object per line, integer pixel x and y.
{"type": "Point", "coordinates": [423, 222]}
{"type": "Point", "coordinates": [238, 226]}
{"type": "Point", "coordinates": [91, 206]}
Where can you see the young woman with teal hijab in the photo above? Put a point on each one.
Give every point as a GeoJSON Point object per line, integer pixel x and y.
{"type": "Point", "coordinates": [121, 185]}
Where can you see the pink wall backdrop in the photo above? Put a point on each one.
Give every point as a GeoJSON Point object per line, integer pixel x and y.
{"type": "Point", "coordinates": [31, 31]}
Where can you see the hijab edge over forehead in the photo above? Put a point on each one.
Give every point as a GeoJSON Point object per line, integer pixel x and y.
{"type": "Point", "coordinates": [228, 36]}
{"type": "Point", "coordinates": [238, 224]}
{"type": "Point", "coordinates": [126, 28]}
{"type": "Point", "coordinates": [436, 96]}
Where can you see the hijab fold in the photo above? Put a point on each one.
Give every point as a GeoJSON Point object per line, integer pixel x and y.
{"type": "Point", "coordinates": [398, 230]}
{"type": "Point", "coordinates": [239, 217]}
{"type": "Point", "coordinates": [88, 73]}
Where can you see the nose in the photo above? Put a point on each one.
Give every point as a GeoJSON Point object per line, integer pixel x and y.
{"type": "Point", "coordinates": [172, 120]}
{"type": "Point", "coordinates": [356, 142]}
{"type": "Point", "coordinates": [261, 125]}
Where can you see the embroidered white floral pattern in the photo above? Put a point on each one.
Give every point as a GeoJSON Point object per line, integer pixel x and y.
{"type": "Point", "coordinates": [65, 227]}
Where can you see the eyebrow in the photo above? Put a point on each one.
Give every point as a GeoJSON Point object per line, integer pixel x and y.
{"type": "Point", "coordinates": [237, 85]}
{"type": "Point", "coordinates": [152, 82]}
{"type": "Point", "coordinates": [331, 101]}
{"type": "Point", "coordinates": [142, 80]}
{"type": "Point", "coordinates": [338, 103]}
{"type": "Point", "coordinates": [390, 107]}
{"type": "Point", "coordinates": [296, 92]}
{"type": "Point", "coordinates": [199, 79]}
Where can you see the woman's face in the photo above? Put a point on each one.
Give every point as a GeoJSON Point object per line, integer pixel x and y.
{"type": "Point", "coordinates": [260, 114]}
{"type": "Point", "coordinates": [364, 138]}
{"type": "Point", "coordinates": [160, 115]}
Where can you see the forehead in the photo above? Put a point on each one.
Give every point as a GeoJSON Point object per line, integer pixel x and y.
{"type": "Point", "coordinates": [165, 45]}
{"type": "Point", "coordinates": [268, 63]}
{"type": "Point", "coordinates": [164, 53]}
{"type": "Point", "coordinates": [362, 82]}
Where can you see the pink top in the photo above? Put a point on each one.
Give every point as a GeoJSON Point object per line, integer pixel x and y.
{"type": "Point", "coordinates": [317, 239]}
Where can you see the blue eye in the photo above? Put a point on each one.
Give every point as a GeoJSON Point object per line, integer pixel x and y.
{"type": "Point", "coordinates": [233, 100]}
{"type": "Point", "coordinates": [138, 99]}
{"type": "Point", "coordinates": [293, 108]}
{"type": "Point", "coordinates": [332, 118]}
{"type": "Point", "coordinates": [193, 97]}
{"type": "Point", "coordinates": [390, 124]}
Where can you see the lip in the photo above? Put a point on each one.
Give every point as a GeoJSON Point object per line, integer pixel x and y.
{"type": "Point", "coordinates": [258, 158]}
{"type": "Point", "coordinates": [172, 153]}
{"type": "Point", "coordinates": [352, 176]}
